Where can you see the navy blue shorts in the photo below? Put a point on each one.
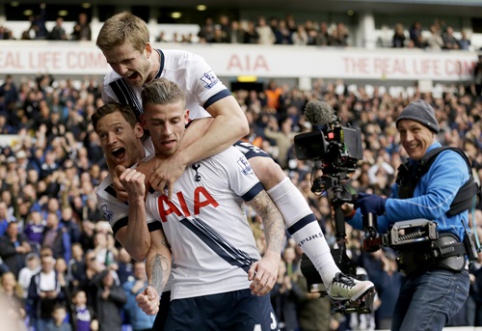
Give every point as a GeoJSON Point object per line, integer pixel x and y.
{"type": "Point", "coordinates": [161, 317]}
{"type": "Point", "coordinates": [236, 311]}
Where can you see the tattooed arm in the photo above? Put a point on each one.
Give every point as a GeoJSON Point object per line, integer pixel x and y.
{"type": "Point", "coordinates": [265, 272]}
{"type": "Point", "coordinates": [158, 263]}
{"type": "Point", "coordinates": [158, 268]}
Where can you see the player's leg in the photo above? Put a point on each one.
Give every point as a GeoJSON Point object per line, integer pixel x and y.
{"type": "Point", "coordinates": [305, 230]}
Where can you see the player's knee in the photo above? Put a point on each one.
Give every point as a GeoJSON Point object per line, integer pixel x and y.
{"type": "Point", "coordinates": [268, 171]}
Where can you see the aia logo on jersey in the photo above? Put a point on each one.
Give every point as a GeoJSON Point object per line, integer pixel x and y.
{"type": "Point", "coordinates": [201, 199]}
{"type": "Point", "coordinates": [245, 166]}
{"type": "Point", "coordinates": [210, 79]}
{"type": "Point", "coordinates": [108, 215]}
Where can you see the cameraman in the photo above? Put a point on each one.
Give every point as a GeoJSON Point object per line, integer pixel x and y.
{"type": "Point", "coordinates": [431, 293]}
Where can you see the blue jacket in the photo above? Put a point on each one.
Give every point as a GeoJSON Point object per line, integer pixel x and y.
{"type": "Point", "coordinates": [138, 319]}
{"type": "Point", "coordinates": [432, 197]}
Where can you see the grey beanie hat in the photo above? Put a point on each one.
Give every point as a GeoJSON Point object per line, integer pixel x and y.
{"type": "Point", "coordinates": [421, 112]}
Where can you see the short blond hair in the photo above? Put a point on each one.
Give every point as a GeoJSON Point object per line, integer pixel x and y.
{"type": "Point", "coordinates": [121, 28]}
{"type": "Point", "coordinates": [162, 91]}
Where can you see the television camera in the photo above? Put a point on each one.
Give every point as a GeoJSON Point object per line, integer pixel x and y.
{"type": "Point", "coordinates": [335, 150]}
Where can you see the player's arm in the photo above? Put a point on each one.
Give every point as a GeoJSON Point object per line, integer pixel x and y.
{"type": "Point", "coordinates": [135, 236]}
{"type": "Point", "coordinates": [229, 125]}
{"type": "Point", "coordinates": [158, 268]}
{"type": "Point", "coordinates": [265, 272]}
{"type": "Point", "coordinates": [158, 262]}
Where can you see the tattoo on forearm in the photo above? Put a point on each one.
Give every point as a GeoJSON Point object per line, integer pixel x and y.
{"type": "Point", "coordinates": [274, 228]}
{"type": "Point", "coordinates": [159, 271]}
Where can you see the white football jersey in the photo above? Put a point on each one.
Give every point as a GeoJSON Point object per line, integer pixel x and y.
{"type": "Point", "coordinates": [211, 241]}
{"type": "Point", "coordinates": [188, 70]}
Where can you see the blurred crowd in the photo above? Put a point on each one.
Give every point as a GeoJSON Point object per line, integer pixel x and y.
{"type": "Point", "coordinates": [264, 30]}
{"type": "Point", "coordinates": [61, 267]}
{"type": "Point", "coordinates": [440, 36]}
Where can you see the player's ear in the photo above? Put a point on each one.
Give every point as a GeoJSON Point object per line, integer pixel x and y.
{"type": "Point", "coordinates": [148, 49]}
{"type": "Point", "coordinates": [186, 117]}
{"type": "Point", "coordinates": [139, 130]}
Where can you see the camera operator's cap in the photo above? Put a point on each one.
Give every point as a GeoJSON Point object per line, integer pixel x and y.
{"type": "Point", "coordinates": [421, 112]}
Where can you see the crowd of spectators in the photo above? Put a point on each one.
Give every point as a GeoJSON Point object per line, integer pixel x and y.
{"type": "Point", "coordinates": [264, 31]}
{"type": "Point", "coordinates": [61, 267]}
{"type": "Point", "coordinates": [441, 36]}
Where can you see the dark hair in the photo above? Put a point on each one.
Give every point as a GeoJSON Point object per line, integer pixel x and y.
{"type": "Point", "coordinates": [110, 108]}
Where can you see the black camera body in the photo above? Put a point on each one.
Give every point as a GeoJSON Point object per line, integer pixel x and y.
{"type": "Point", "coordinates": [340, 147]}
{"type": "Point", "coordinates": [336, 151]}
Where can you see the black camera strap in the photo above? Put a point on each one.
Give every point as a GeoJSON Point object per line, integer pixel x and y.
{"type": "Point", "coordinates": [409, 175]}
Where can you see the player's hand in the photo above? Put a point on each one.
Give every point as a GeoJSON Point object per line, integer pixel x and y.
{"type": "Point", "coordinates": [149, 300]}
{"type": "Point", "coordinates": [264, 273]}
{"type": "Point", "coordinates": [119, 188]}
{"type": "Point", "coordinates": [166, 174]}
{"type": "Point", "coordinates": [133, 181]}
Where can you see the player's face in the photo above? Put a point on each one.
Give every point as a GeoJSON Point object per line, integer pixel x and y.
{"type": "Point", "coordinates": [120, 142]}
{"type": "Point", "coordinates": [128, 62]}
{"type": "Point", "coordinates": [415, 137]}
{"type": "Point", "coordinates": [166, 124]}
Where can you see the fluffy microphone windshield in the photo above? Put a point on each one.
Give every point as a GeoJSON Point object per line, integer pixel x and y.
{"type": "Point", "coordinates": [319, 113]}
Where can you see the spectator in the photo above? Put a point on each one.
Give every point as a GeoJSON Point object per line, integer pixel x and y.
{"type": "Point", "coordinates": [76, 265]}
{"type": "Point", "coordinates": [110, 299]}
{"type": "Point", "coordinates": [206, 33]}
{"type": "Point", "coordinates": [449, 41]}
{"type": "Point", "coordinates": [82, 29]}
{"type": "Point", "coordinates": [13, 249]}
{"type": "Point", "coordinates": [34, 230]}
{"type": "Point", "coordinates": [57, 238]}
{"type": "Point", "coordinates": [266, 35]}
{"type": "Point", "coordinates": [300, 37]}
{"type": "Point", "coordinates": [26, 273]}
{"type": "Point", "coordinates": [283, 34]}
{"type": "Point", "coordinates": [37, 29]}
{"type": "Point", "coordinates": [416, 35]}
{"type": "Point", "coordinates": [464, 42]}
{"type": "Point", "coordinates": [58, 31]}
{"type": "Point", "coordinates": [398, 40]}
{"type": "Point", "coordinates": [434, 41]}
{"type": "Point", "coordinates": [322, 37]}
{"type": "Point", "coordinates": [139, 320]}
{"type": "Point", "coordinates": [44, 291]}
{"type": "Point", "coordinates": [284, 296]}
{"type": "Point", "coordinates": [236, 33]}
{"type": "Point", "coordinates": [251, 35]}
{"type": "Point", "coordinates": [58, 323]}
{"type": "Point", "coordinates": [5, 34]}
{"type": "Point", "coordinates": [82, 315]}
{"type": "Point", "coordinates": [9, 97]}
{"type": "Point", "coordinates": [313, 311]}
{"type": "Point", "coordinates": [282, 138]}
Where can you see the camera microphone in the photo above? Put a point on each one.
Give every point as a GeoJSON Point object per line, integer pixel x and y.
{"type": "Point", "coordinates": [320, 113]}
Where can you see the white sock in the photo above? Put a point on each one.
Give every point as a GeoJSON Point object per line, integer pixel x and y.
{"type": "Point", "coordinates": [304, 228]}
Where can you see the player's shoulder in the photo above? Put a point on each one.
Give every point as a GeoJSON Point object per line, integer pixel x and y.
{"type": "Point", "coordinates": [110, 77]}
{"type": "Point", "coordinates": [107, 181]}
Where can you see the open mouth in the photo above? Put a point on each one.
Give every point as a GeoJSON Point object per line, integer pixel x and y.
{"type": "Point", "coordinates": [132, 76]}
{"type": "Point", "coordinates": [118, 153]}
